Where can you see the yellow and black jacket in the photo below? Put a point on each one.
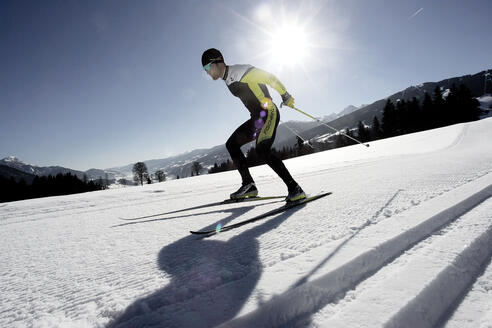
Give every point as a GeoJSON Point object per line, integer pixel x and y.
{"type": "Point", "coordinates": [248, 83]}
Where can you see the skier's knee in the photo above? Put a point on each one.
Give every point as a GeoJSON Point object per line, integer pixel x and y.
{"type": "Point", "coordinates": [231, 145]}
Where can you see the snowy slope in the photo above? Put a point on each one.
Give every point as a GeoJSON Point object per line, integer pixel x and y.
{"type": "Point", "coordinates": [404, 241]}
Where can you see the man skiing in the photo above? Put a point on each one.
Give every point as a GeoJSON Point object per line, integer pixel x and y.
{"type": "Point", "coordinates": [249, 84]}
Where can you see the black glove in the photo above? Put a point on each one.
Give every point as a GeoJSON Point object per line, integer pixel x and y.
{"type": "Point", "coordinates": [287, 100]}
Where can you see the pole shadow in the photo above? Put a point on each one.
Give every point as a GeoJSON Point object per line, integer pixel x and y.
{"type": "Point", "coordinates": [163, 218]}
{"type": "Point", "coordinates": [211, 280]}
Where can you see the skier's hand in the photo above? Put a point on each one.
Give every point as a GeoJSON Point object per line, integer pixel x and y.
{"type": "Point", "coordinates": [288, 100]}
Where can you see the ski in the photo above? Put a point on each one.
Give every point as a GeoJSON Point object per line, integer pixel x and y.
{"type": "Point", "coordinates": [284, 208]}
{"type": "Point", "coordinates": [224, 202]}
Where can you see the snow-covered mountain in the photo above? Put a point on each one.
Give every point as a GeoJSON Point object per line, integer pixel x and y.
{"type": "Point", "coordinates": [15, 163]}
{"type": "Point", "coordinates": [179, 165]}
{"type": "Point", "coordinates": [403, 241]}
{"type": "Point", "coordinates": [348, 110]}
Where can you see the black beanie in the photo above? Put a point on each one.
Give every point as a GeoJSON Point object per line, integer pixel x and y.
{"type": "Point", "coordinates": [212, 55]}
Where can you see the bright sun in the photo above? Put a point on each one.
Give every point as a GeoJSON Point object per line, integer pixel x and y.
{"type": "Point", "coordinates": [284, 37]}
{"type": "Point", "coordinates": [289, 45]}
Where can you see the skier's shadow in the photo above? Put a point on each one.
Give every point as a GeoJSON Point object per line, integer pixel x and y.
{"type": "Point", "coordinates": [210, 279]}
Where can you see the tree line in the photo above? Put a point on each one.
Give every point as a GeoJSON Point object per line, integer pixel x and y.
{"type": "Point", "coordinates": [404, 117]}
{"type": "Point", "coordinates": [141, 173]}
{"type": "Point", "coordinates": [398, 118]}
{"type": "Point", "coordinates": [45, 186]}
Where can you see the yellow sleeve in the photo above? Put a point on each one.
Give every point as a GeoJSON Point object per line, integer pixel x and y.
{"type": "Point", "coordinates": [257, 76]}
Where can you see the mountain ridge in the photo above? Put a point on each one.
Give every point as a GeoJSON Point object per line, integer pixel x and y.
{"type": "Point", "coordinates": [33, 170]}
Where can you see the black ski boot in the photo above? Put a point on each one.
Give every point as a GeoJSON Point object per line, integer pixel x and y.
{"type": "Point", "coordinates": [246, 191]}
{"type": "Point", "coordinates": [295, 194]}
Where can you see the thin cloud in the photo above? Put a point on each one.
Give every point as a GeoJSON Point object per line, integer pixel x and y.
{"type": "Point", "coordinates": [416, 13]}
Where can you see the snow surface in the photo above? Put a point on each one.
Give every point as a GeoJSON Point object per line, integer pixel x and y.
{"type": "Point", "coordinates": [405, 240]}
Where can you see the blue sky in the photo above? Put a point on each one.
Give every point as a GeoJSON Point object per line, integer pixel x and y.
{"type": "Point", "coordinates": [100, 84]}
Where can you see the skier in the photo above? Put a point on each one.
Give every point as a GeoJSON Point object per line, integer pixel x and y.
{"type": "Point", "coordinates": [249, 84]}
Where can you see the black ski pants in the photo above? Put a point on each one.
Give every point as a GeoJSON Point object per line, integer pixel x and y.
{"type": "Point", "coordinates": [263, 130]}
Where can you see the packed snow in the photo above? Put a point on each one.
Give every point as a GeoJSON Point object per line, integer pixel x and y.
{"type": "Point", "coordinates": [405, 240]}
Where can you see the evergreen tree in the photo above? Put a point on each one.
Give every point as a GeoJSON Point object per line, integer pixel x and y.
{"type": "Point", "coordinates": [414, 116]}
{"type": "Point", "coordinates": [439, 114]}
{"type": "Point", "coordinates": [429, 115]}
{"type": "Point", "coordinates": [469, 106]}
{"type": "Point", "coordinates": [376, 132]}
{"type": "Point", "coordinates": [401, 117]}
{"type": "Point", "coordinates": [100, 181]}
{"type": "Point", "coordinates": [213, 169]}
{"type": "Point", "coordinates": [301, 147]}
{"type": "Point", "coordinates": [196, 167]}
{"type": "Point", "coordinates": [340, 141]}
{"type": "Point", "coordinates": [348, 140]}
{"type": "Point", "coordinates": [363, 132]}
{"type": "Point", "coordinates": [451, 106]}
{"type": "Point", "coordinates": [389, 120]}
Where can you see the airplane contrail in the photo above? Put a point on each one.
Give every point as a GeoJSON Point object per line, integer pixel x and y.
{"type": "Point", "coordinates": [416, 13]}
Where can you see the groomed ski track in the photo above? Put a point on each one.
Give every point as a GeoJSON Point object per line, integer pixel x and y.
{"type": "Point", "coordinates": [404, 241]}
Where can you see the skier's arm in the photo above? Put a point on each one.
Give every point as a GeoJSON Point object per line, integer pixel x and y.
{"type": "Point", "coordinates": [257, 76]}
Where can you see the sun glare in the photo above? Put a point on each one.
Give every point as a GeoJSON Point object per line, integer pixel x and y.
{"type": "Point", "coordinates": [285, 37]}
{"type": "Point", "coordinates": [289, 45]}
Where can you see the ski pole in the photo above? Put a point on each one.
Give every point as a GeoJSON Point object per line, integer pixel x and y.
{"type": "Point", "coordinates": [296, 134]}
{"type": "Point", "coordinates": [323, 123]}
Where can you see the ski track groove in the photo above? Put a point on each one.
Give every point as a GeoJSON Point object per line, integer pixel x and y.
{"type": "Point", "coordinates": [439, 250]}
{"type": "Point", "coordinates": [422, 310]}
{"type": "Point", "coordinates": [316, 294]}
